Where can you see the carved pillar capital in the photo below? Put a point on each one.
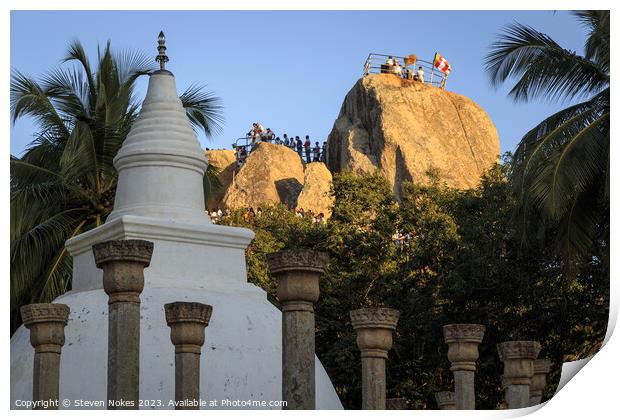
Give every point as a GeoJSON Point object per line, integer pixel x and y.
{"type": "Point", "coordinates": [541, 368]}
{"type": "Point", "coordinates": [298, 272]}
{"type": "Point", "coordinates": [374, 327]}
{"type": "Point", "coordinates": [187, 322]}
{"type": "Point", "coordinates": [123, 263]}
{"type": "Point", "coordinates": [518, 358]}
{"type": "Point", "coordinates": [46, 322]}
{"type": "Point", "coordinates": [463, 341]}
{"type": "Point", "coordinates": [445, 400]}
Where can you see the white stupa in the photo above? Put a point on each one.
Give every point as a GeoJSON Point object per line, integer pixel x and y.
{"type": "Point", "coordinates": [160, 198]}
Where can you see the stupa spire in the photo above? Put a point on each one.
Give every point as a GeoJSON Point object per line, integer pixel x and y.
{"type": "Point", "coordinates": [161, 163]}
{"type": "Point", "coordinates": [161, 58]}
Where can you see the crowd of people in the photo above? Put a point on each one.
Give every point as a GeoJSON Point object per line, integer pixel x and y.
{"type": "Point", "coordinates": [400, 239]}
{"type": "Point", "coordinates": [316, 218]}
{"type": "Point", "coordinates": [217, 213]}
{"type": "Point", "coordinates": [392, 65]}
{"type": "Point", "coordinates": [307, 151]}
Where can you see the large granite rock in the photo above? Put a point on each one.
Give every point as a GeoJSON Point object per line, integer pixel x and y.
{"type": "Point", "coordinates": [404, 128]}
{"type": "Point", "coordinates": [270, 174]}
{"type": "Point", "coordinates": [226, 162]}
{"type": "Point", "coordinates": [315, 194]}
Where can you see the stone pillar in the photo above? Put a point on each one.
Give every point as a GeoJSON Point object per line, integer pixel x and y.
{"type": "Point", "coordinates": [187, 322]}
{"type": "Point", "coordinates": [298, 273]}
{"type": "Point", "coordinates": [395, 404]}
{"type": "Point", "coordinates": [518, 358]}
{"type": "Point", "coordinates": [374, 327]}
{"type": "Point", "coordinates": [46, 322]}
{"type": "Point", "coordinates": [539, 380]}
{"type": "Point", "coordinates": [463, 340]}
{"type": "Point", "coordinates": [123, 264]}
{"type": "Point", "coordinates": [445, 400]}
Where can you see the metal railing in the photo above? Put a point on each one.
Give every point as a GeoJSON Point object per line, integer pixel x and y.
{"type": "Point", "coordinates": [377, 63]}
{"type": "Point", "coordinates": [243, 146]}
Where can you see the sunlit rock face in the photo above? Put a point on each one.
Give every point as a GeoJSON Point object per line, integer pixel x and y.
{"type": "Point", "coordinates": [404, 128]}
{"type": "Point", "coordinates": [160, 199]}
{"type": "Point", "coordinates": [275, 174]}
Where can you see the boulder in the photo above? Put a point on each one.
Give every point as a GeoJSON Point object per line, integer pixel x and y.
{"type": "Point", "coordinates": [270, 174]}
{"type": "Point", "coordinates": [405, 128]}
{"type": "Point", "coordinates": [315, 195]}
{"type": "Point", "coordinates": [225, 162]}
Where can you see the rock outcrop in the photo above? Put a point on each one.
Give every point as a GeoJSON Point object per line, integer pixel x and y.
{"type": "Point", "coordinates": [404, 128]}
{"type": "Point", "coordinates": [270, 174]}
{"type": "Point", "coordinates": [315, 194]}
{"type": "Point", "coordinates": [275, 174]}
{"type": "Point", "coordinates": [226, 162]}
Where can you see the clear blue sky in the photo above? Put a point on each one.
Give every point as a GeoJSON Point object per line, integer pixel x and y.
{"type": "Point", "coordinates": [290, 70]}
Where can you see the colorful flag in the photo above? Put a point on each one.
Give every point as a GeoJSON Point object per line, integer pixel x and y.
{"type": "Point", "coordinates": [410, 59]}
{"type": "Point", "coordinates": [441, 64]}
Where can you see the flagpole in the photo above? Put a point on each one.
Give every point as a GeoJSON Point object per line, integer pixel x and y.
{"type": "Point", "coordinates": [433, 67]}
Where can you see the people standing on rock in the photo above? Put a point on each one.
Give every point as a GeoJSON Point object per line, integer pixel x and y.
{"type": "Point", "coordinates": [300, 146]}
{"type": "Point", "coordinates": [307, 146]}
{"type": "Point", "coordinates": [270, 135]}
{"type": "Point", "coordinates": [387, 67]}
{"type": "Point", "coordinates": [243, 154]}
{"type": "Point", "coordinates": [420, 74]}
{"type": "Point", "coordinates": [286, 140]}
{"type": "Point", "coordinates": [316, 152]}
{"type": "Point", "coordinates": [239, 156]}
{"type": "Point", "coordinates": [397, 69]}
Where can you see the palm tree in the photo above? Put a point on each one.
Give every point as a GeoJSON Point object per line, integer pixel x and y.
{"type": "Point", "coordinates": [64, 184]}
{"type": "Point", "coordinates": [560, 169]}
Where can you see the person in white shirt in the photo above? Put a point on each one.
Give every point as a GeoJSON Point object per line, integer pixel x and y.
{"type": "Point", "coordinates": [390, 61]}
{"type": "Point", "coordinates": [397, 69]}
{"type": "Point", "coordinates": [420, 74]}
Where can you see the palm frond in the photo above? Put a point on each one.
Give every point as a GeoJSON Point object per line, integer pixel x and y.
{"type": "Point", "coordinates": [542, 67]}
{"type": "Point", "coordinates": [28, 98]}
{"type": "Point", "coordinates": [204, 109]}
{"type": "Point", "coordinates": [69, 93]}
{"type": "Point", "coordinates": [571, 169]}
{"type": "Point", "coordinates": [79, 159]}
{"type": "Point", "coordinates": [597, 43]}
{"type": "Point", "coordinates": [76, 53]}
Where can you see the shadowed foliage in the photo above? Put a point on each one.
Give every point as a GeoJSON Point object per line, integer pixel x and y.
{"type": "Point", "coordinates": [560, 169]}
{"type": "Point", "coordinates": [456, 258]}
